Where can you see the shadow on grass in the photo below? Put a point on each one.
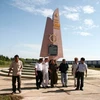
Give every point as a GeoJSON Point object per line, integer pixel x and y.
{"type": "Point", "coordinates": [5, 94]}
{"type": "Point", "coordinates": [8, 96]}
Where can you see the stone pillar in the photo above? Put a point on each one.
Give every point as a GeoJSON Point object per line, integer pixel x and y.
{"type": "Point", "coordinates": [52, 36]}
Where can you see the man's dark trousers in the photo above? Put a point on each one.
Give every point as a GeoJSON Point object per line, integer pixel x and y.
{"type": "Point", "coordinates": [14, 78]}
{"type": "Point", "coordinates": [39, 79]}
{"type": "Point", "coordinates": [80, 80]}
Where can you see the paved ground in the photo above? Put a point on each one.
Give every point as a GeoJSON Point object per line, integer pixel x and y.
{"type": "Point", "coordinates": [29, 91]}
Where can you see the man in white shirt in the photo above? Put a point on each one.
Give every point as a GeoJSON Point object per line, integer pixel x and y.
{"type": "Point", "coordinates": [16, 67]}
{"type": "Point", "coordinates": [39, 73]}
{"type": "Point", "coordinates": [82, 67]}
{"type": "Point", "coordinates": [74, 67]}
{"type": "Point", "coordinates": [45, 73]}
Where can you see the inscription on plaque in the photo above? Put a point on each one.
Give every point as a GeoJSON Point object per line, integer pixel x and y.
{"type": "Point", "coordinates": [53, 50]}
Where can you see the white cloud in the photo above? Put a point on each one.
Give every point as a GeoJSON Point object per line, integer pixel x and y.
{"type": "Point", "coordinates": [80, 27]}
{"type": "Point", "coordinates": [73, 27]}
{"type": "Point", "coordinates": [40, 2]}
{"type": "Point", "coordinates": [88, 9]}
{"type": "Point", "coordinates": [33, 6]}
{"type": "Point", "coordinates": [29, 9]}
{"type": "Point", "coordinates": [88, 22]}
{"type": "Point", "coordinates": [77, 30]}
{"type": "Point", "coordinates": [72, 16]}
{"type": "Point", "coordinates": [72, 9]}
{"type": "Point", "coordinates": [30, 2]}
{"type": "Point", "coordinates": [73, 13]}
{"type": "Point", "coordinates": [45, 12]}
{"type": "Point", "coordinates": [85, 34]}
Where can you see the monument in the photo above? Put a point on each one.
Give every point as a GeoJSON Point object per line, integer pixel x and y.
{"type": "Point", "coordinates": [52, 42]}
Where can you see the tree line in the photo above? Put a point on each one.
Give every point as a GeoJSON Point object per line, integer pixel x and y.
{"type": "Point", "coordinates": [5, 59]}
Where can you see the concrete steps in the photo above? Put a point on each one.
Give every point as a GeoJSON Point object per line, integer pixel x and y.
{"type": "Point", "coordinates": [29, 72]}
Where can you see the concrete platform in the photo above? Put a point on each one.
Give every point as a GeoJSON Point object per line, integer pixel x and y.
{"type": "Point", "coordinates": [29, 91]}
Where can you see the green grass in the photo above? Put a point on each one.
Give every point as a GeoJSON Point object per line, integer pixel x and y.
{"type": "Point", "coordinates": [94, 68]}
{"type": "Point", "coordinates": [10, 97]}
{"type": "Point", "coordinates": [4, 66]}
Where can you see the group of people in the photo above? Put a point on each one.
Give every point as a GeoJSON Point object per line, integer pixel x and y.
{"type": "Point", "coordinates": [46, 72]}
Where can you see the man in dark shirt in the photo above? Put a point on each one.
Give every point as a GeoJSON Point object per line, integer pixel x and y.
{"type": "Point", "coordinates": [63, 68]}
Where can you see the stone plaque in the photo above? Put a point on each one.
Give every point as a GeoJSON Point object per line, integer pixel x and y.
{"type": "Point", "coordinates": [52, 50]}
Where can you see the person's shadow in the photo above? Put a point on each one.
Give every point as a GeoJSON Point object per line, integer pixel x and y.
{"type": "Point", "coordinates": [23, 88]}
{"type": "Point", "coordinates": [60, 90]}
{"type": "Point", "coordinates": [26, 86]}
{"type": "Point", "coordinates": [5, 94]}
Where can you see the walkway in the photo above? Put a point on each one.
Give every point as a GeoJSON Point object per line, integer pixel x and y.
{"type": "Point", "coordinates": [29, 91]}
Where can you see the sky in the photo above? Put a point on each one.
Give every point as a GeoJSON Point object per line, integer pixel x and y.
{"type": "Point", "coordinates": [22, 24]}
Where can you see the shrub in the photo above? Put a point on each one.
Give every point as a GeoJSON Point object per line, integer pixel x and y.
{"type": "Point", "coordinates": [2, 62]}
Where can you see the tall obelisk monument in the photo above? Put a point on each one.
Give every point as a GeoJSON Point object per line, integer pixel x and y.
{"type": "Point", "coordinates": [52, 42]}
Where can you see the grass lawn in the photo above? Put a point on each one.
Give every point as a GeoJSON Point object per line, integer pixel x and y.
{"type": "Point", "coordinates": [10, 97]}
{"type": "Point", "coordinates": [4, 66]}
{"type": "Point", "coordinates": [94, 68]}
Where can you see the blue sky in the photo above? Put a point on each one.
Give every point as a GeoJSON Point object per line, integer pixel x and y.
{"type": "Point", "coordinates": [22, 24]}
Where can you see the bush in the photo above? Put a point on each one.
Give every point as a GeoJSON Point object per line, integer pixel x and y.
{"type": "Point", "coordinates": [5, 63]}
{"type": "Point", "coordinates": [2, 62]}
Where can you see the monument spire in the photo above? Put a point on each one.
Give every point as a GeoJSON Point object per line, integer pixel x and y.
{"type": "Point", "coordinates": [52, 42]}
